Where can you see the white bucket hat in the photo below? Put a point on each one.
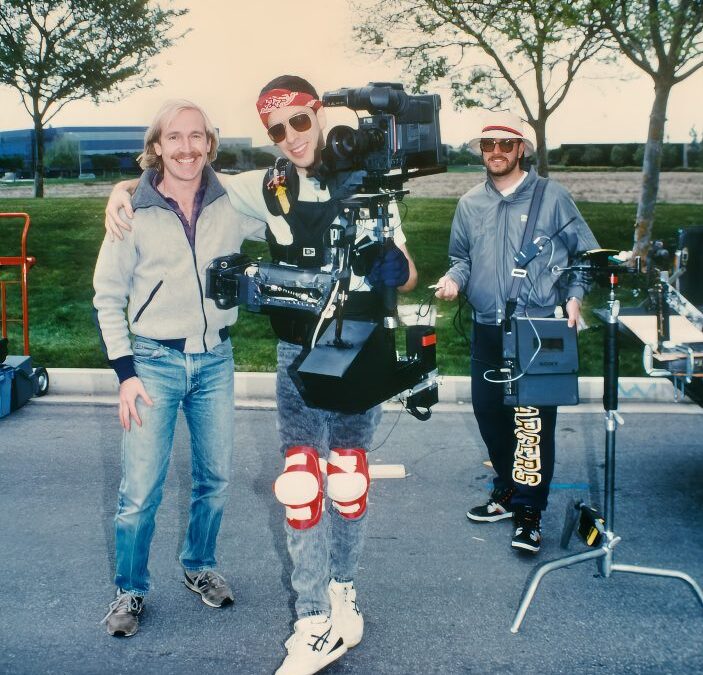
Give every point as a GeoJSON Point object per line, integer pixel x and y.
{"type": "Point", "coordinates": [502, 125]}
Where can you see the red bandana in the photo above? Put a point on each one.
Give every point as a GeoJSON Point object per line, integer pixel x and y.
{"type": "Point", "coordinates": [281, 98]}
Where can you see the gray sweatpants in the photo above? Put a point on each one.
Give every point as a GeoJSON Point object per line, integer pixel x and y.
{"type": "Point", "coordinates": [332, 548]}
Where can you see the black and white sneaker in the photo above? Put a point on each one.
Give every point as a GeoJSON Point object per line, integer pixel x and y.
{"type": "Point", "coordinates": [496, 508]}
{"type": "Point", "coordinates": [528, 536]}
{"type": "Point", "coordinates": [314, 644]}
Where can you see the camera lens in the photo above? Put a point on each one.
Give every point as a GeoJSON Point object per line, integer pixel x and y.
{"type": "Point", "coordinates": [347, 143]}
{"type": "Point", "coordinates": [342, 141]}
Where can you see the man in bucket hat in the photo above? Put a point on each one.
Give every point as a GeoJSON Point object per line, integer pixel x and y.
{"type": "Point", "coordinates": [502, 126]}
{"type": "Point", "coordinates": [486, 234]}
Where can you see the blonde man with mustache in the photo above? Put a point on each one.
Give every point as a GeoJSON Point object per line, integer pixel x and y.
{"type": "Point", "coordinates": [151, 284]}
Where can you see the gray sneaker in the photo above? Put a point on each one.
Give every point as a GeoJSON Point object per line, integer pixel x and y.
{"type": "Point", "coordinates": [122, 618]}
{"type": "Point", "coordinates": [211, 586]}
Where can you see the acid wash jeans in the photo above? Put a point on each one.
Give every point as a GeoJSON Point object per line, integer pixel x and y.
{"type": "Point", "coordinates": [332, 548]}
{"type": "Point", "coordinates": [203, 384]}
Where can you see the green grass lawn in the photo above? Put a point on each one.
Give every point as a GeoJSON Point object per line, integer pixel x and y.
{"type": "Point", "coordinates": [66, 233]}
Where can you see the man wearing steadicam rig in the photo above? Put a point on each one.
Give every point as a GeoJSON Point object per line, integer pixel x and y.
{"type": "Point", "coordinates": [490, 231]}
{"type": "Point", "coordinates": [300, 211]}
{"type": "Point", "coordinates": [324, 545]}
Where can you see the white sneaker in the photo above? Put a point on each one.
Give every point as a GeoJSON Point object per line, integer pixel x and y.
{"type": "Point", "coordinates": [313, 645]}
{"type": "Point", "coordinates": [346, 615]}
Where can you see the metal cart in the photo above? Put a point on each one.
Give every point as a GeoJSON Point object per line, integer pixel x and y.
{"type": "Point", "coordinates": [19, 381]}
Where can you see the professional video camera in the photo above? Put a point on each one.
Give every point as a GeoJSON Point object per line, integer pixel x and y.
{"type": "Point", "coordinates": [399, 140]}
{"type": "Point", "coordinates": [353, 365]}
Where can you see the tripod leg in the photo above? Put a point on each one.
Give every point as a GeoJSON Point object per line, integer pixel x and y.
{"type": "Point", "coordinates": [657, 572]}
{"type": "Point", "coordinates": [539, 572]}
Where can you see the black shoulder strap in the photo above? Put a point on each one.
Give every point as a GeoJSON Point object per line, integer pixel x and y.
{"type": "Point", "coordinates": [525, 254]}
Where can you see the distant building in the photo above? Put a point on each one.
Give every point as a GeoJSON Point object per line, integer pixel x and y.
{"type": "Point", "coordinates": [123, 142]}
{"type": "Point", "coordinates": [240, 142]}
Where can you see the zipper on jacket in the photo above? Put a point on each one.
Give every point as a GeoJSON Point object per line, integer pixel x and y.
{"type": "Point", "coordinates": [501, 247]}
{"type": "Point", "coordinates": [202, 303]}
{"type": "Point", "coordinates": [200, 286]}
{"type": "Point", "coordinates": [148, 301]}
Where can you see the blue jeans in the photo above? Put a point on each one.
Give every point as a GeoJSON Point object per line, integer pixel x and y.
{"type": "Point", "coordinates": [332, 548]}
{"type": "Point", "coordinates": [203, 384]}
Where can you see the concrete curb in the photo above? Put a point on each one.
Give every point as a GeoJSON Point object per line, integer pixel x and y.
{"type": "Point", "coordinates": [100, 383]}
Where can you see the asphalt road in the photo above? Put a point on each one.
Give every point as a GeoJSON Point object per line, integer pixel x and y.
{"type": "Point", "coordinates": [438, 593]}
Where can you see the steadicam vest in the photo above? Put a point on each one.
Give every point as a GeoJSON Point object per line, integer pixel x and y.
{"type": "Point", "coordinates": [310, 224]}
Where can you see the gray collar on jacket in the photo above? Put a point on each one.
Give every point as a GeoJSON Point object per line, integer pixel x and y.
{"type": "Point", "coordinates": [145, 195]}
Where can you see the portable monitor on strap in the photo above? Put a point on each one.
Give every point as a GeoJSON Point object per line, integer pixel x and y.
{"type": "Point", "coordinates": [540, 355]}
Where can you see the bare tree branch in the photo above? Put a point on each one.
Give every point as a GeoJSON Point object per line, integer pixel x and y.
{"type": "Point", "coordinates": [525, 50]}
{"type": "Point", "coordinates": [668, 35]}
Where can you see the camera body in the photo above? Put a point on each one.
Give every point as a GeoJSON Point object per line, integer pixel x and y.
{"type": "Point", "coordinates": [400, 137]}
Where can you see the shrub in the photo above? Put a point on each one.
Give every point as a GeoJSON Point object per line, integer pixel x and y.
{"type": "Point", "coordinates": [621, 155]}
{"type": "Point", "coordinates": [593, 155]}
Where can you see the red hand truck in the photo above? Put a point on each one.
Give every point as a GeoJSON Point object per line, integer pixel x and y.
{"type": "Point", "coordinates": [18, 379]}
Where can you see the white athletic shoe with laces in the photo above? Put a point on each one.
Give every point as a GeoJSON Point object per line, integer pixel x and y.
{"type": "Point", "coordinates": [346, 615]}
{"type": "Point", "coordinates": [314, 644]}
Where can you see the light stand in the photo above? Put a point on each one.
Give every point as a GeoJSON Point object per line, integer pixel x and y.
{"type": "Point", "coordinates": [601, 530]}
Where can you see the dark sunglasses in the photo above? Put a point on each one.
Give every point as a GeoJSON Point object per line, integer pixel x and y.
{"type": "Point", "coordinates": [299, 122]}
{"type": "Point", "coordinates": [505, 144]}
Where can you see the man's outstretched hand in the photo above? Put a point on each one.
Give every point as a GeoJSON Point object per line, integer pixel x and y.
{"type": "Point", "coordinates": [447, 288]}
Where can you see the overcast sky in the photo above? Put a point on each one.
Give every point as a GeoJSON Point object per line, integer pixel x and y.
{"type": "Point", "coordinates": [236, 46]}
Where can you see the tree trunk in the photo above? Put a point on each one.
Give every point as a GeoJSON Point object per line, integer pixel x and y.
{"type": "Point", "coordinates": [650, 171]}
{"type": "Point", "coordinates": [39, 157]}
{"type": "Point", "coordinates": [541, 156]}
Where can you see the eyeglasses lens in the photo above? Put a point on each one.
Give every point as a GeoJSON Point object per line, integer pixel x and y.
{"type": "Point", "coordinates": [301, 122]}
{"type": "Point", "coordinates": [277, 132]}
{"type": "Point", "coordinates": [505, 144]}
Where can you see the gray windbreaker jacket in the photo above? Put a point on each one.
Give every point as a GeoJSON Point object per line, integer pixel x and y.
{"type": "Point", "coordinates": [486, 234]}
{"type": "Point", "coordinates": [152, 283]}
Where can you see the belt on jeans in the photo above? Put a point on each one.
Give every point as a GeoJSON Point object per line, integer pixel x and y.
{"type": "Point", "coordinates": [179, 344]}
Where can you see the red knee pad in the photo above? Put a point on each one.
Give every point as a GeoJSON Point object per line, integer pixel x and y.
{"type": "Point", "coordinates": [299, 487]}
{"type": "Point", "coordinates": [348, 481]}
